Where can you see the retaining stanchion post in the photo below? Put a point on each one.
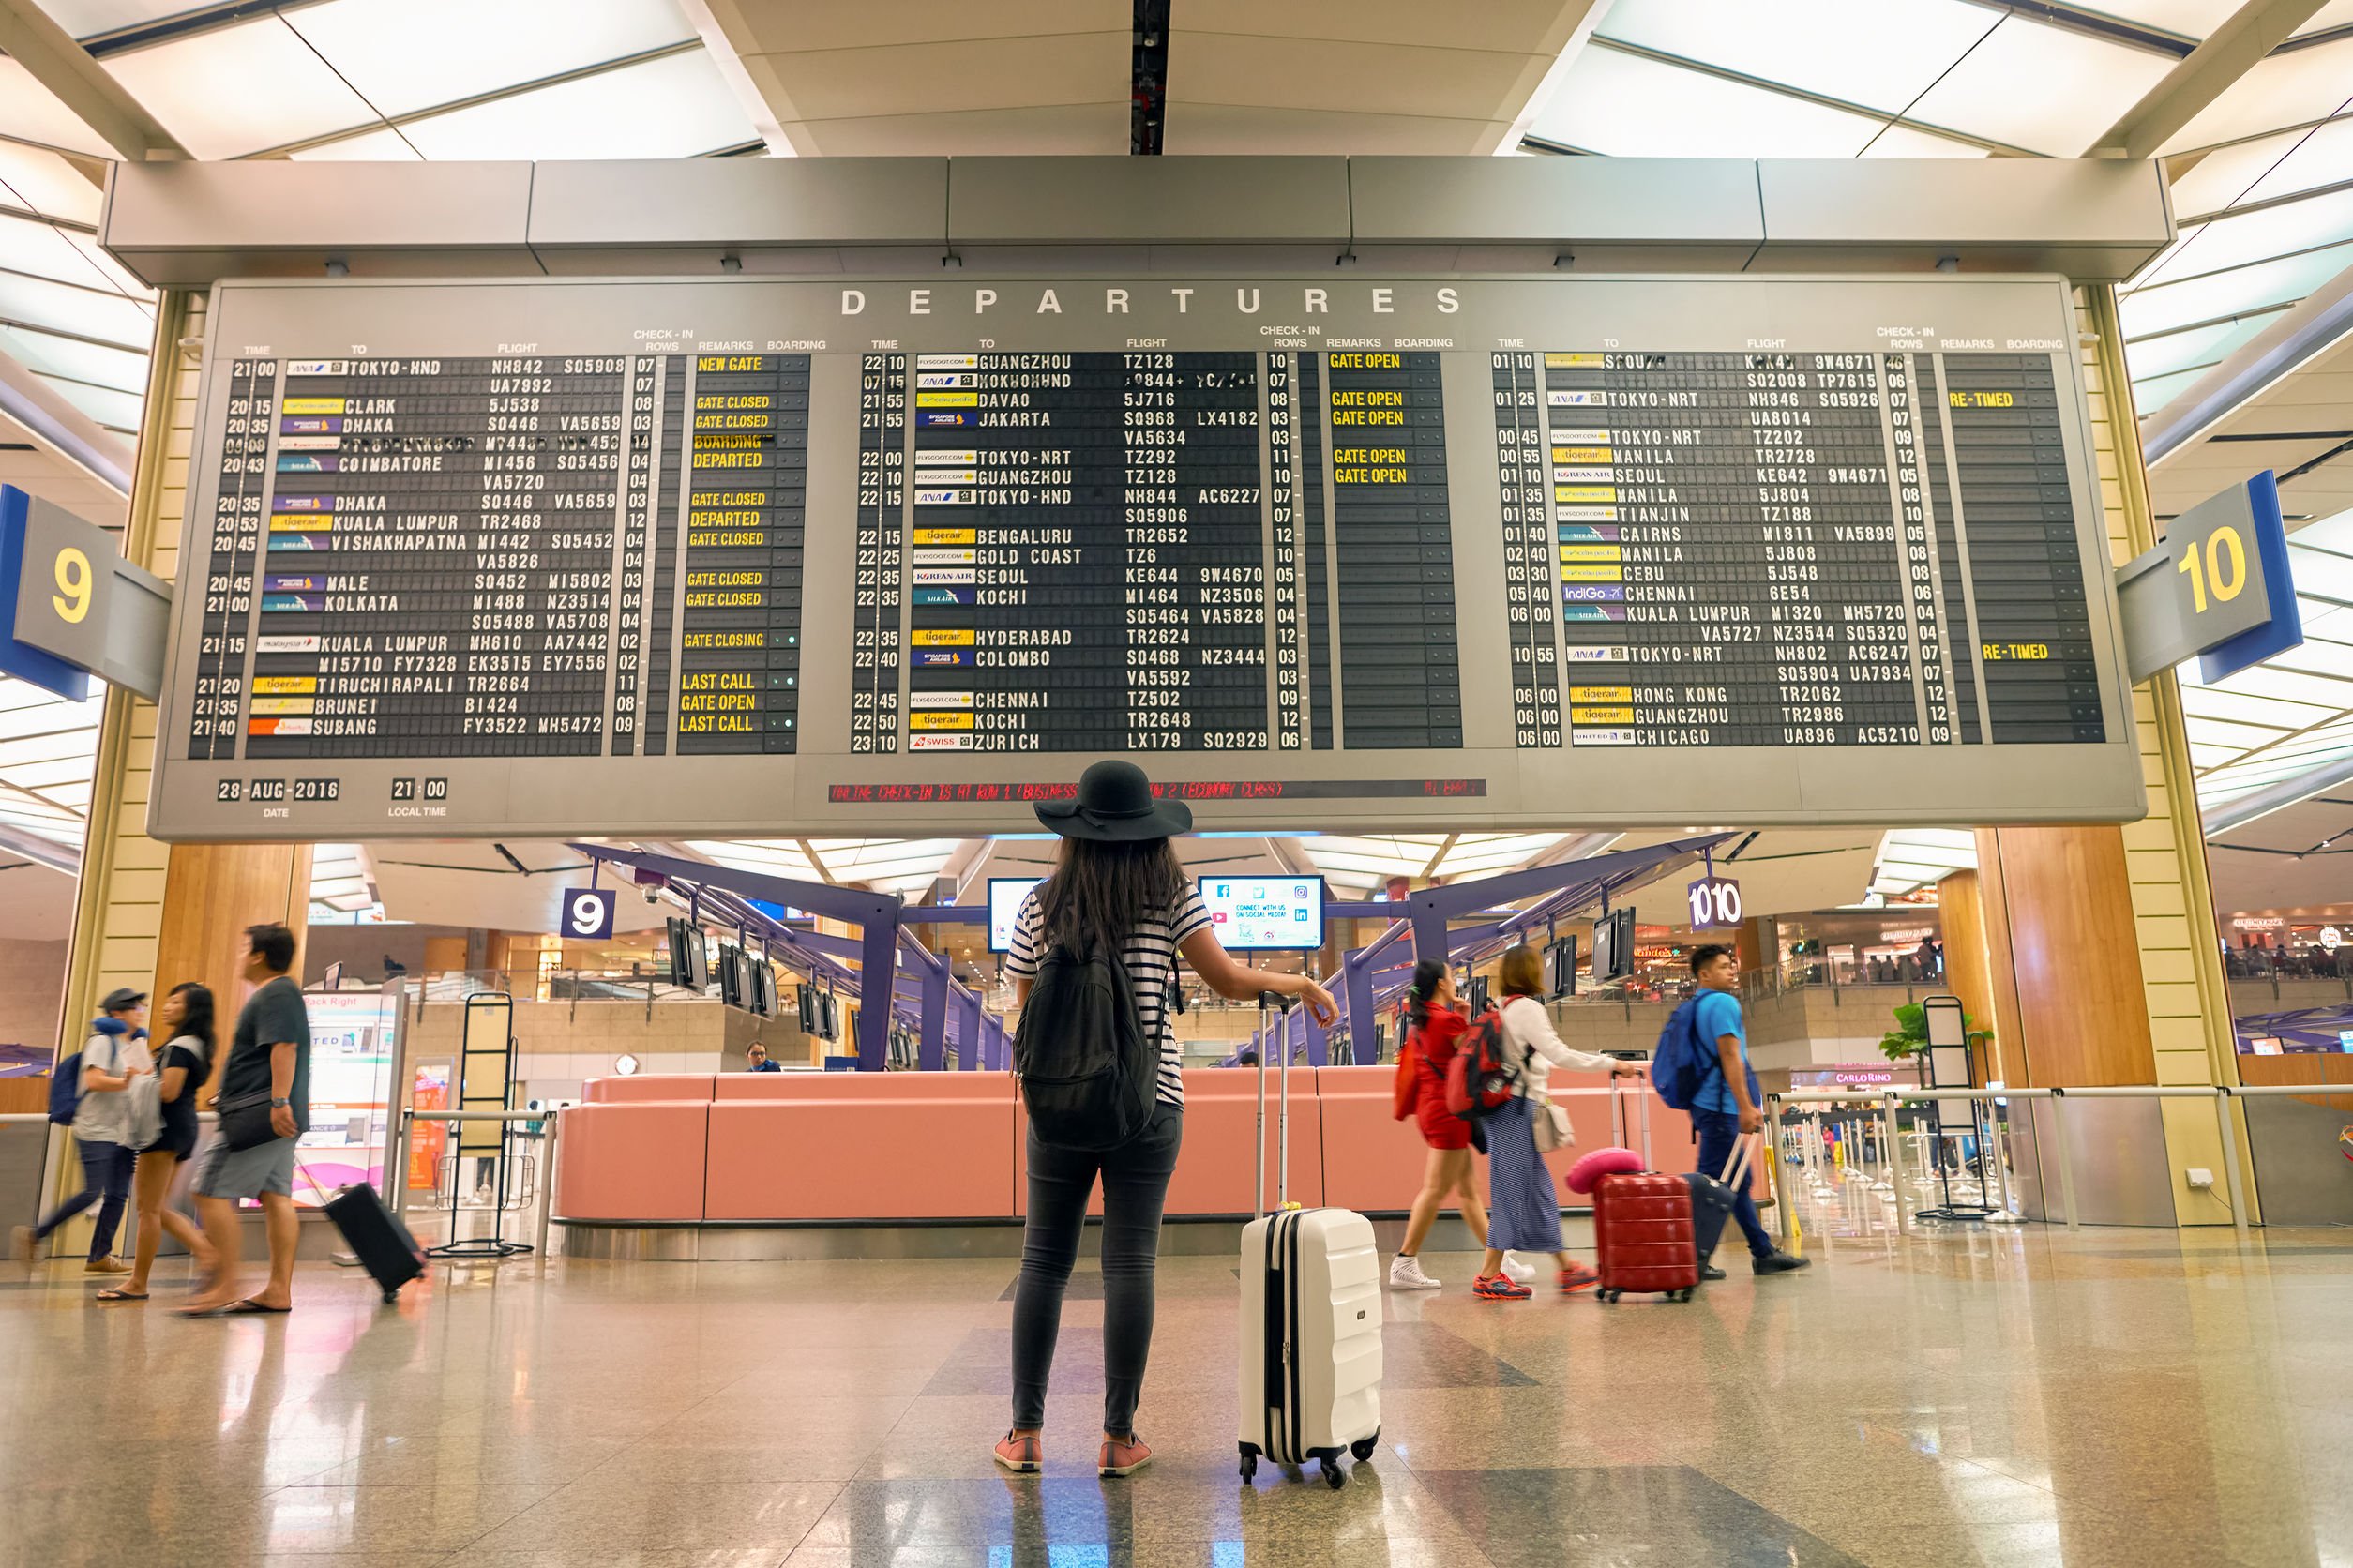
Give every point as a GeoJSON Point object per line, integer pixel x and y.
{"type": "Point", "coordinates": [2230, 1159]}
{"type": "Point", "coordinates": [1785, 1204]}
{"type": "Point", "coordinates": [2066, 1165]}
{"type": "Point", "coordinates": [1895, 1170]}
{"type": "Point", "coordinates": [1997, 1148]}
{"type": "Point", "coordinates": [547, 1184]}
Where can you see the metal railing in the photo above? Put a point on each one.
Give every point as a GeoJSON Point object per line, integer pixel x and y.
{"type": "Point", "coordinates": [1887, 1100]}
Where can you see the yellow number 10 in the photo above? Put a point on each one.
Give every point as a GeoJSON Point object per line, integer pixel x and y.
{"type": "Point", "coordinates": [73, 598]}
{"type": "Point", "coordinates": [2211, 575]}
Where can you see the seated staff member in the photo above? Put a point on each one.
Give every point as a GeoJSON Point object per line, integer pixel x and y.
{"type": "Point", "coordinates": [756, 1059]}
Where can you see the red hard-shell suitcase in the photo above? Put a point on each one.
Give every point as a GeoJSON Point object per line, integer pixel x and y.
{"type": "Point", "coordinates": [1642, 1236]}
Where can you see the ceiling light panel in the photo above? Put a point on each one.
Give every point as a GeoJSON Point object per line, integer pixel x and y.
{"type": "Point", "coordinates": [2322, 156]}
{"type": "Point", "coordinates": [674, 107]}
{"type": "Point", "coordinates": [38, 303]}
{"type": "Point", "coordinates": [41, 181]}
{"type": "Point", "coordinates": [2306, 223]}
{"type": "Point", "coordinates": [29, 245]}
{"type": "Point", "coordinates": [2290, 686]}
{"type": "Point", "coordinates": [2237, 707]}
{"type": "Point", "coordinates": [2281, 280]}
{"type": "Point", "coordinates": [2198, 346]}
{"type": "Point", "coordinates": [2155, 393]}
{"type": "Point", "coordinates": [374, 146]}
{"type": "Point", "coordinates": [2047, 89]}
{"type": "Point", "coordinates": [403, 56]}
{"type": "Point", "coordinates": [236, 90]}
{"type": "Point", "coordinates": [87, 18]}
{"type": "Point", "coordinates": [117, 410]}
{"type": "Point", "coordinates": [1874, 53]}
{"type": "Point", "coordinates": [1904, 141]}
{"type": "Point", "coordinates": [1620, 103]}
{"type": "Point", "coordinates": [2195, 20]}
{"type": "Point", "coordinates": [2300, 86]}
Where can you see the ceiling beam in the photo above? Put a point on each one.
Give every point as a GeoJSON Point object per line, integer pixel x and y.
{"type": "Point", "coordinates": [1436, 860]}
{"type": "Point", "coordinates": [49, 53]}
{"type": "Point", "coordinates": [2207, 71]}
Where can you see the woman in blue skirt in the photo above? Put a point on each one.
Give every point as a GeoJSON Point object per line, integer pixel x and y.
{"type": "Point", "coordinates": [1523, 1214]}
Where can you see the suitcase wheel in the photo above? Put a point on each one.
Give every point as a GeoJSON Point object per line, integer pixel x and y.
{"type": "Point", "coordinates": [1604, 1295]}
{"type": "Point", "coordinates": [1250, 1467]}
{"type": "Point", "coordinates": [1333, 1476]}
{"type": "Point", "coordinates": [1362, 1447]}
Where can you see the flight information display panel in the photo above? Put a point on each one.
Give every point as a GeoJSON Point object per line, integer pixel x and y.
{"type": "Point", "coordinates": [902, 556]}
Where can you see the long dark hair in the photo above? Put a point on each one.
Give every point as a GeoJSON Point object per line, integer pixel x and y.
{"type": "Point", "coordinates": [1100, 891]}
{"type": "Point", "coordinates": [196, 1015]}
{"type": "Point", "coordinates": [1427, 974]}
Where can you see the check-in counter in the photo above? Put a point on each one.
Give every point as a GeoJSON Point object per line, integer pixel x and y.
{"type": "Point", "coordinates": [636, 1149]}
{"type": "Point", "coordinates": [925, 1147]}
{"type": "Point", "coordinates": [876, 1147]}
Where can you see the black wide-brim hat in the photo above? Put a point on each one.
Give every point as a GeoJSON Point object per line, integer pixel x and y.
{"type": "Point", "coordinates": [1115, 806]}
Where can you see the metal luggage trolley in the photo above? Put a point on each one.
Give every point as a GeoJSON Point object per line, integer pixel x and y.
{"type": "Point", "coordinates": [486, 1082]}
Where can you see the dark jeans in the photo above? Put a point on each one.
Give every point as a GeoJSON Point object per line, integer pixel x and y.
{"type": "Point", "coordinates": [1718, 1131]}
{"type": "Point", "coordinates": [1135, 1186]}
{"type": "Point", "coordinates": [106, 1169]}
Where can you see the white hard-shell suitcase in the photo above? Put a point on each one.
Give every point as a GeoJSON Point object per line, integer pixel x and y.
{"type": "Point", "coordinates": [1310, 1381]}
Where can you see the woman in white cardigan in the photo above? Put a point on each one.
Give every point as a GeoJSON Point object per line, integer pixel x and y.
{"type": "Point", "coordinates": [1524, 1214]}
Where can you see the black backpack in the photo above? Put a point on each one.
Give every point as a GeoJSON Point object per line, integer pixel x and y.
{"type": "Point", "coordinates": [1088, 1075]}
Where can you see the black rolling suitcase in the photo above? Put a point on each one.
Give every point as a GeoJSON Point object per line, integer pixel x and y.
{"type": "Point", "coordinates": [383, 1244]}
{"type": "Point", "coordinates": [1712, 1198]}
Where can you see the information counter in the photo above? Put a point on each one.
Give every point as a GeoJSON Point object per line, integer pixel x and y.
{"type": "Point", "coordinates": [927, 1149]}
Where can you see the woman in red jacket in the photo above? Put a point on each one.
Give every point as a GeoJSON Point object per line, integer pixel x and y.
{"type": "Point", "coordinates": [1437, 1028]}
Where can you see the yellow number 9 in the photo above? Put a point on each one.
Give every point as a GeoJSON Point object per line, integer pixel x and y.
{"type": "Point", "coordinates": [73, 598]}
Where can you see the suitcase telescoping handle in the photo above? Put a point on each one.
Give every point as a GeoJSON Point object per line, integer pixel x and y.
{"type": "Point", "coordinates": [1737, 1164]}
{"type": "Point", "coordinates": [1268, 1044]}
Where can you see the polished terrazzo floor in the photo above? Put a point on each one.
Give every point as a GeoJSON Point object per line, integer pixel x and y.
{"type": "Point", "coordinates": [2122, 1397]}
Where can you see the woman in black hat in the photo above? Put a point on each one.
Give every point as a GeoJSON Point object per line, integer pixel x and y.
{"type": "Point", "coordinates": [1117, 886]}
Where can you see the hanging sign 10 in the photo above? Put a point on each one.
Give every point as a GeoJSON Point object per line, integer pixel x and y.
{"type": "Point", "coordinates": [1715, 903]}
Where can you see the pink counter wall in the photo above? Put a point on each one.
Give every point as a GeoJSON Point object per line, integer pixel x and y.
{"type": "Point", "coordinates": [879, 1147]}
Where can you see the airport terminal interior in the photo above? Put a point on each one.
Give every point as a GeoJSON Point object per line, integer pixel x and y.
{"type": "Point", "coordinates": [589, 573]}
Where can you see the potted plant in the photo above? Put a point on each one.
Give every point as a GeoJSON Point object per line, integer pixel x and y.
{"type": "Point", "coordinates": [1909, 1039]}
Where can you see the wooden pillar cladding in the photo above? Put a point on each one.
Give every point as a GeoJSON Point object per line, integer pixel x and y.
{"type": "Point", "coordinates": [2059, 925]}
{"type": "Point", "coordinates": [211, 894]}
{"type": "Point", "coordinates": [1754, 942]}
{"type": "Point", "coordinates": [1968, 971]}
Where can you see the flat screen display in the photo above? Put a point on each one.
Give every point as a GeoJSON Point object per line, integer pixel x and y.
{"type": "Point", "coordinates": [1004, 908]}
{"type": "Point", "coordinates": [1259, 914]}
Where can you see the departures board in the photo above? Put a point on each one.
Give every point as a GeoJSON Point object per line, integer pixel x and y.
{"type": "Point", "coordinates": [903, 556]}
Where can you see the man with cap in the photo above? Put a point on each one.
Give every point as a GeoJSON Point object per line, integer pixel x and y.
{"type": "Point", "coordinates": [116, 1053]}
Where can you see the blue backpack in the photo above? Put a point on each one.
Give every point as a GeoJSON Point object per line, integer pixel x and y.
{"type": "Point", "coordinates": [65, 1090]}
{"type": "Point", "coordinates": [1682, 1062]}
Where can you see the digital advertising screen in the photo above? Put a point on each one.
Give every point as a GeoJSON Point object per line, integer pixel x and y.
{"type": "Point", "coordinates": [1004, 908]}
{"type": "Point", "coordinates": [1258, 914]}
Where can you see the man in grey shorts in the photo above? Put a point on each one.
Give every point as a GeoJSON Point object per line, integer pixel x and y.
{"type": "Point", "coordinates": [269, 1053]}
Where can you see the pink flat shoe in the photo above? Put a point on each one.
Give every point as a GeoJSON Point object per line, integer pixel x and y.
{"type": "Point", "coordinates": [1123, 1458]}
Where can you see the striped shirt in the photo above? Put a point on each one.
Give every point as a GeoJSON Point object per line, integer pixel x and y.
{"type": "Point", "coordinates": [1151, 957]}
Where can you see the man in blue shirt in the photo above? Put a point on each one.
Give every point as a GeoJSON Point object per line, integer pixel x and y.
{"type": "Point", "coordinates": [757, 1061]}
{"type": "Point", "coordinates": [1725, 1108]}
